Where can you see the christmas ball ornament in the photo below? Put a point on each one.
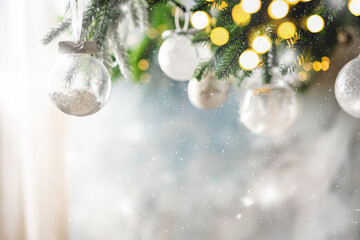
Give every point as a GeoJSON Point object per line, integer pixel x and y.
{"type": "Point", "coordinates": [208, 93]}
{"type": "Point", "coordinates": [178, 58]}
{"type": "Point", "coordinates": [347, 90]}
{"type": "Point", "coordinates": [79, 84]}
{"type": "Point", "coordinates": [268, 109]}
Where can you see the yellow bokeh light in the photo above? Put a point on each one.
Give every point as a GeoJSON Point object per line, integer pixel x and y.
{"type": "Point", "coordinates": [325, 59]}
{"type": "Point", "coordinates": [143, 64]}
{"type": "Point", "coordinates": [354, 7]}
{"type": "Point", "coordinates": [261, 44]}
{"type": "Point", "coordinates": [286, 30]}
{"type": "Point", "coordinates": [219, 36]}
{"type": "Point", "coordinates": [302, 76]}
{"type": "Point", "coordinates": [317, 66]}
{"type": "Point", "coordinates": [292, 2]}
{"type": "Point", "coordinates": [200, 19]}
{"type": "Point", "coordinates": [249, 60]}
{"type": "Point", "coordinates": [239, 16]}
{"type": "Point", "coordinates": [325, 65]}
{"type": "Point", "coordinates": [145, 78]}
{"type": "Point", "coordinates": [315, 23]}
{"type": "Point", "coordinates": [307, 66]}
{"type": "Point", "coordinates": [152, 33]}
{"type": "Point", "coordinates": [251, 6]}
{"type": "Point", "coordinates": [278, 9]}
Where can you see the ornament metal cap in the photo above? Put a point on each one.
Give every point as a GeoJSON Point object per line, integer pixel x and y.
{"type": "Point", "coordinates": [69, 47]}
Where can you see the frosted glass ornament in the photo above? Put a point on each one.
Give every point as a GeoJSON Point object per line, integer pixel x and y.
{"type": "Point", "coordinates": [347, 88]}
{"type": "Point", "coordinates": [268, 109]}
{"type": "Point", "coordinates": [208, 93]}
{"type": "Point", "coordinates": [178, 58]}
{"type": "Point", "coordinates": [79, 84]}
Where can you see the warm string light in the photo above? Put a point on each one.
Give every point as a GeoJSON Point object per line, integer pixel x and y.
{"type": "Point", "coordinates": [143, 65]}
{"type": "Point", "coordinates": [240, 17]}
{"type": "Point", "coordinates": [249, 60]}
{"type": "Point", "coordinates": [200, 19]}
{"type": "Point", "coordinates": [251, 6]}
{"type": "Point", "coordinates": [278, 9]}
{"type": "Point", "coordinates": [317, 66]}
{"type": "Point", "coordinates": [302, 76]}
{"type": "Point", "coordinates": [315, 23]}
{"type": "Point", "coordinates": [219, 36]}
{"type": "Point", "coordinates": [261, 44]}
{"type": "Point", "coordinates": [286, 30]}
{"type": "Point", "coordinates": [354, 7]}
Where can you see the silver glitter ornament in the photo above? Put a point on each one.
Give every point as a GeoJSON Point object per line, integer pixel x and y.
{"type": "Point", "coordinates": [347, 88]}
{"type": "Point", "coordinates": [268, 109]}
{"type": "Point", "coordinates": [79, 84]}
{"type": "Point", "coordinates": [208, 93]}
{"type": "Point", "coordinates": [178, 58]}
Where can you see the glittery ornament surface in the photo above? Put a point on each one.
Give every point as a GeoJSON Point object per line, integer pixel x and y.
{"type": "Point", "coordinates": [347, 88]}
{"type": "Point", "coordinates": [78, 102]}
{"type": "Point", "coordinates": [268, 109]}
{"type": "Point", "coordinates": [178, 58]}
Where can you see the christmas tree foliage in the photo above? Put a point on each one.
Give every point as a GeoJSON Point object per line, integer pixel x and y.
{"type": "Point", "coordinates": [243, 35]}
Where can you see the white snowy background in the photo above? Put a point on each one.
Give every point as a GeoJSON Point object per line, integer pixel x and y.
{"type": "Point", "coordinates": [151, 166]}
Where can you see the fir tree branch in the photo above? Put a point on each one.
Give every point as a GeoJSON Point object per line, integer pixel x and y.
{"type": "Point", "coordinates": [55, 32]}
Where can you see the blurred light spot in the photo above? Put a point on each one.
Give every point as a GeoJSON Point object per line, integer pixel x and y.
{"type": "Point", "coordinates": [152, 33]}
{"type": "Point", "coordinates": [325, 65]}
{"type": "Point", "coordinates": [302, 76]}
{"type": "Point", "coordinates": [269, 195]}
{"type": "Point", "coordinates": [143, 64]}
{"type": "Point", "coordinates": [219, 36]}
{"type": "Point", "coordinates": [145, 78]}
{"type": "Point", "coordinates": [307, 66]}
{"type": "Point", "coordinates": [251, 6]}
{"type": "Point", "coordinates": [200, 19]}
{"type": "Point", "coordinates": [354, 7]}
{"type": "Point", "coordinates": [261, 44]}
{"type": "Point", "coordinates": [278, 9]}
{"type": "Point", "coordinates": [317, 66]}
{"type": "Point", "coordinates": [315, 23]}
{"type": "Point", "coordinates": [325, 59]}
{"type": "Point", "coordinates": [240, 17]}
{"type": "Point", "coordinates": [286, 30]}
{"type": "Point", "coordinates": [249, 60]}
{"type": "Point", "coordinates": [247, 201]}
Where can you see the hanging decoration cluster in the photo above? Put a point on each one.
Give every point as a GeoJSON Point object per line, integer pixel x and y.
{"type": "Point", "coordinates": [280, 38]}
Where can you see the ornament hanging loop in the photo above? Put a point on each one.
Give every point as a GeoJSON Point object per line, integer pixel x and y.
{"type": "Point", "coordinates": [177, 20]}
{"type": "Point", "coordinates": [77, 13]}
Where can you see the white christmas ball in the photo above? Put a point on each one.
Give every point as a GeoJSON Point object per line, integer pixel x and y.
{"type": "Point", "coordinates": [178, 58]}
{"type": "Point", "coordinates": [347, 88]}
{"type": "Point", "coordinates": [79, 84]}
{"type": "Point", "coordinates": [208, 93]}
{"type": "Point", "coordinates": [268, 109]}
